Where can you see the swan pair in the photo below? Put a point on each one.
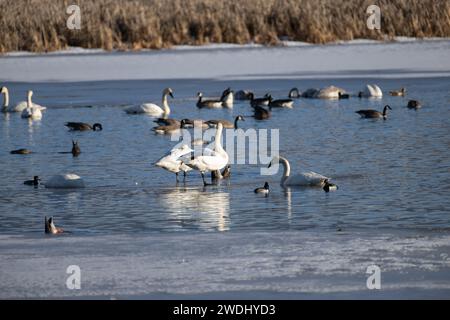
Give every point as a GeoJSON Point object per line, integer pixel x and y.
{"type": "Point", "coordinates": [153, 109]}
{"type": "Point", "coordinates": [306, 179]}
{"type": "Point", "coordinates": [28, 108]}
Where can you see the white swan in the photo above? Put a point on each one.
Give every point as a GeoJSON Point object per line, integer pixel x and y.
{"type": "Point", "coordinates": [330, 92]}
{"type": "Point", "coordinates": [18, 107]}
{"type": "Point", "coordinates": [31, 112]}
{"type": "Point", "coordinates": [307, 178]}
{"type": "Point", "coordinates": [153, 109]}
{"type": "Point", "coordinates": [172, 163]}
{"type": "Point", "coordinates": [216, 161]}
{"type": "Point", "coordinates": [65, 181]}
{"type": "Point", "coordinates": [371, 91]}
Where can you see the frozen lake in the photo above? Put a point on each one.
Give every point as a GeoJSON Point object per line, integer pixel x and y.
{"type": "Point", "coordinates": [135, 233]}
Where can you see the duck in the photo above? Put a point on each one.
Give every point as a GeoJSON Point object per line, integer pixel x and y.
{"type": "Point", "coordinates": [172, 163]}
{"type": "Point", "coordinates": [263, 190]}
{"type": "Point", "coordinates": [307, 178]}
{"type": "Point", "coordinates": [81, 126]}
{"type": "Point", "coordinates": [261, 113]}
{"type": "Point", "coordinates": [153, 109]}
{"type": "Point", "coordinates": [243, 95]}
{"type": "Point", "coordinates": [34, 182]}
{"type": "Point", "coordinates": [225, 174]}
{"type": "Point", "coordinates": [414, 104]}
{"type": "Point", "coordinates": [329, 186]}
{"type": "Point", "coordinates": [31, 112]}
{"type": "Point", "coordinates": [294, 94]}
{"type": "Point", "coordinates": [19, 107]}
{"type": "Point", "coordinates": [75, 149]}
{"type": "Point", "coordinates": [373, 114]}
{"type": "Point", "coordinates": [20, 151]}
{"type": "Point", "coordinates": [227, 98]}
{"type": "Point", "coordinates": [216, 161]}
{"type": "Point", "coordinates": [65, 181]}
{"type": "Point", "coordinates": [371, 91]}
{"type": "Point", "coordinates": [398, 93]}
{"type": "Point", "coordinates": [50, 227]}
{"type": "Point", "coordinates": [225, 123]}
{"type": "Point", "coordinates": [264, 101]}
{"type": "Point", "coordinates": [208, 103]}
{"type": "Point", "coordinates": [281, 103]}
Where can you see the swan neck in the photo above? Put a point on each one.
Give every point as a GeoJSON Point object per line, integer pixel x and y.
{"type": "Point", "coordinates": [6, 98]}
{"type": "Point", "coordinates": [29, 103]}
{"type": "Point", "coordinates": [218, 143]}
{"type": "Point", "coordinates": [286, 167]}
{"type": "Point", "coordinates": [165, 104]}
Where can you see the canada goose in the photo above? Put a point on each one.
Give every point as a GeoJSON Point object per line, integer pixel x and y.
{"type": "Point", "coordinates": [19, 107]}
{"type": "Point", "coordinates": [65, 181]}
{"type": "Point", "coordinates": [166, 121]}
{"type": "Point", "coordinates": [225, 174]}
{"type": "Point", "coordinates": [243, 95]}
{"type": "Point", "coordinates": [153, 109]}
{"type": "Point", "coordinates": [34, 182]}
{"type": "Point", "coordinates": [216, 161]}
{"type": "Point", "coordinates": [414, 104]}
{"type": "Point", "coordinates": [264, 101]}
{"type": "Point", "coordinates": [263, 190]}
{"type": "Point", "coordinates": [329, 186]}
{"type": "Point", "coordinates": [294, 94]}
{"type": "Point", "coordinates": [197, 123]}
{"type": "Point", "coordinates": [281, 103]}
{"type": "Point", "coordinates": [308, 178]}
{"type": "Point", "coordinates": [31, 112]}
{"type": "Point", "coordinates": [50, 227]}
{"type": "Point", "coordinates": [261, 113]}
{"type": "Point", "coordinates": [373, 114]}
{"type": "Point", "coordinates": [172, 163]}
{"type": "Point", "coordinates": [169, 129]}
{"type": "Point", "coordinates": [397, 93]}
{"type": "Point", "coordinates": [208, 103]}
{"type": "Point", "coordinates": [81, 126]}
{"type": "Point", "coordinates": [226, 124]}
{"type": "Point", "coordinates": [227, 98]}
{"type": "Point", "coordinates": [343, 95]}
{"type": "Point", "coordinates": [20, 151]}
{"type": "Point", "coordinates": [371, 91]}
{"type": "Point", "coordinates": [75, 149]}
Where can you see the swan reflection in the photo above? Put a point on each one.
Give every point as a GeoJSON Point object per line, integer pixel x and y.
{"type": "Point", "coordinates": [201, 208]}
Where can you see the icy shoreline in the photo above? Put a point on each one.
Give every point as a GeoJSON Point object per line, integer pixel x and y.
{"type": "Point", "coordinates": [286, 265]}
{"type": "Point", "coordinates": [358, 59]}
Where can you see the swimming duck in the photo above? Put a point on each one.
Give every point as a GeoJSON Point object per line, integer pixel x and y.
{"type": "Point", "coordinates": [397, 93]}
{"type": "Point", "coordinates": [414, 104]}
{"type": "Point", "coordinates": [81, 126]}
{"type": "Point", "coordinates": [20, 151]}
{"type": "Point", "coordinates": [226, 124]}
{"type": "Point", "coordinates": [50, 227]}
{"type": "Point", "coordinates": [373, 114]}
{"type": "Point", "coordinates": [34, 182]}
{"type": "Point", "coordinates": [329, 186]}
{"type": "Point", "coordinates": [263, 190]}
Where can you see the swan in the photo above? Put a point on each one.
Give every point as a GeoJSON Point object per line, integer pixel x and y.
{"type": "Point", "coordinates": [153, 109]}
{"type": "Point", "coordinates": [81, 126]}
{"type": "Point", "coordinates": [329, 186]}
{"type": "Point", "coordinates": [414, 104]}
{"type": "Point", "coordinates": [263, 190]}
{"type": "Point", "coordinates": [172, 163]}
{"type": "Point", "coordinates": [19, 107]}
{"type": "Point", "coordinates": [371, 91]}
{"type": "Point", "coordinates": [227, 98]}
{"type": "Point", "coordinates": [50, 227]}
{"type": "Point", "coordinates": [398, 93]}
{"type": "Point", "coordinates": [216, 161]}
{"type": "Point", "coordinates": [330, 92]}
{"type": "Point", "coordinates": [307, 178]}
{"type": "Point", "coordinates": [65, 181]}
{"type": "Point", "coordinates": [373, 114]}
{"type": "Point", "coordinates": [225, 123]}
{"type": "Point", "coordinates": [31, 112]}
{"type": "Point", "coordinates": [34, 182]}
{"type": "Point", "coordinates": [208, 103]}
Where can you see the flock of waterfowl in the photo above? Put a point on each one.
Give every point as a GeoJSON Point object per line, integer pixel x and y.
{"type": "Point", "coordinates": [181, 159]}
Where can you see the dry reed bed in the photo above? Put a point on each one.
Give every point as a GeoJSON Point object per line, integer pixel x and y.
{"type": "Point", "coordinates": [40, 25]}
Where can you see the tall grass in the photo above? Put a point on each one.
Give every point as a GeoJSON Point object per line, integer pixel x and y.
{"type": "Point", "coordinates": [40, 25]}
